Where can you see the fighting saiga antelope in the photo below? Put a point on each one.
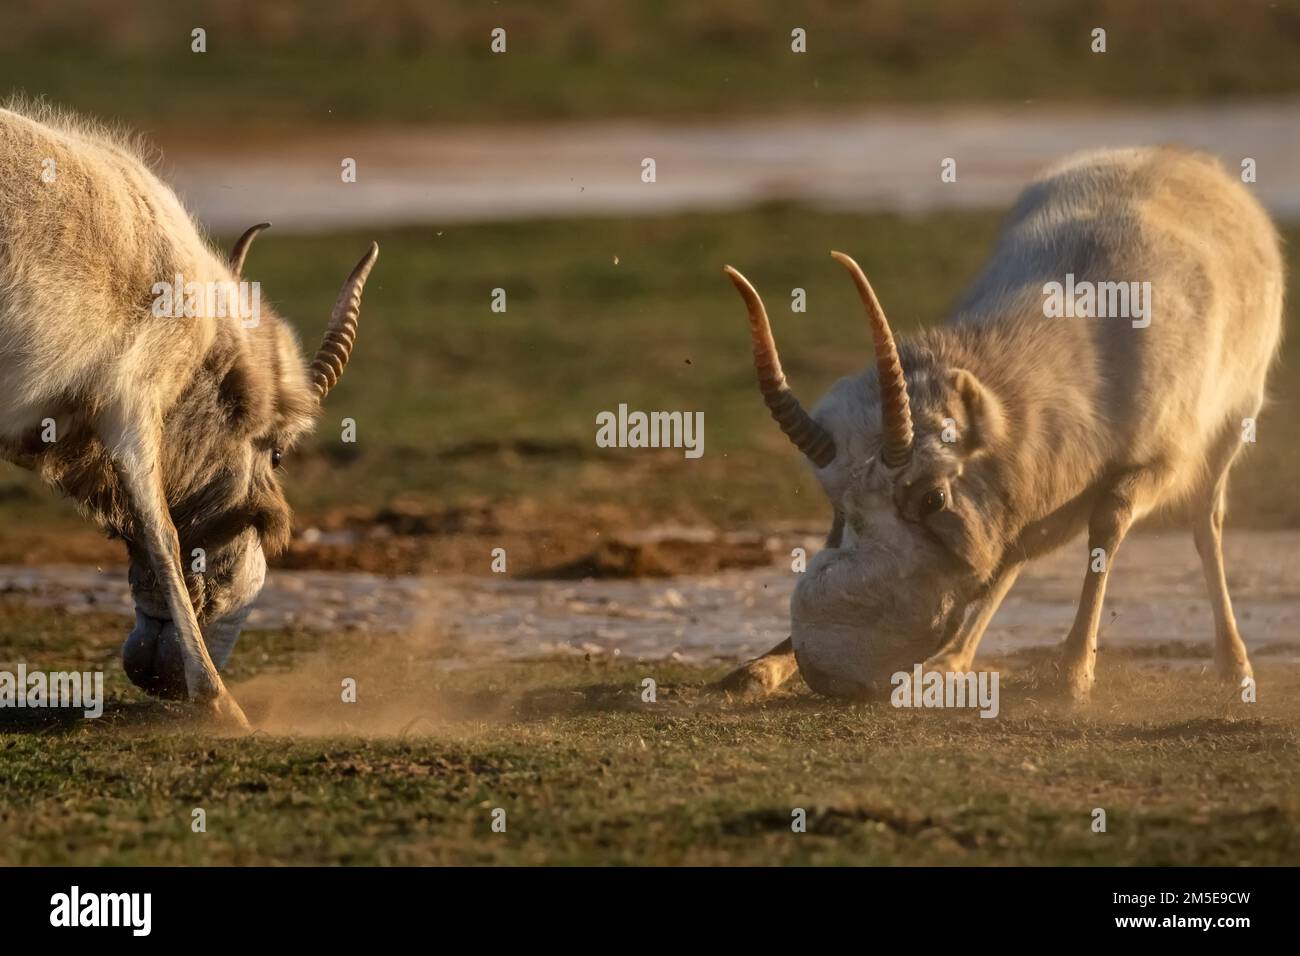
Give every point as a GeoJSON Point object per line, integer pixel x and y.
{"type": "Point", "coordinates": [971, 448]}
{"type": "Point", "coordinates": [167, 429]}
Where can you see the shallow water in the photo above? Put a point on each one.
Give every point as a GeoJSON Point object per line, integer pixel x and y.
{"type": "Point", "coordinates": [1156, 596]}
{"type": "Point", "coordinates": [877, 160]}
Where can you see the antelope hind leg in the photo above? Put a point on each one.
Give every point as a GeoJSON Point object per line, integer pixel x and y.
{"type": "Point", "coordinates": [1207, 512]}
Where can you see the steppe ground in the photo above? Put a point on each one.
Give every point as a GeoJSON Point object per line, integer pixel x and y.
{"type": "Point", "coordinates": [587, 771]}
{"type": "Point", "coordinates": [466, 452]}
{"type": "Point", "coordinates": [476, 430]}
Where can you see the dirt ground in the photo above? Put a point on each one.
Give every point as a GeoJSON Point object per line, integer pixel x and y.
{"type": "Point", "coordinates": [602, 540]}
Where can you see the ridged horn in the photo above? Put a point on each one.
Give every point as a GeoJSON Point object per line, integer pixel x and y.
{"type": "Point", "coordinates": [240, 251]}
{"type": "Point", "coordinates": [800, 427]}
{"type": "Point", "coordinates": [336, 348]}
{"type": "Point", "coordinates": [895, 412]}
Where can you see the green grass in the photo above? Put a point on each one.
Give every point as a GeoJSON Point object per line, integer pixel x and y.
{"type": "Point", "coordinates": [318, 63]}
{"type": "Point", "coordinates": [589, 773]}
{"type": "Point", "coordinates": [457, 405]}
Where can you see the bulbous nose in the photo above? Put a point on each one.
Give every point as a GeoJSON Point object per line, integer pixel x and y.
{"type": "Point", "coordinates": [152, 656]}
{"type": "Point", "coordinates": [152, 659]}
{"type": "Point", "coordinates": [830, 684]}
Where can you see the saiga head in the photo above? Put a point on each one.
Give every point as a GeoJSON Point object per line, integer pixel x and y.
{"type": "Point", "coordinates": [222, 445]}
{"type": "Point", "coordinates": [910, 547]}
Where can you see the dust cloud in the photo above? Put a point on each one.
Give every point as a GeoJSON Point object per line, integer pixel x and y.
{"type": "Point", "coordinates": [386, 685]}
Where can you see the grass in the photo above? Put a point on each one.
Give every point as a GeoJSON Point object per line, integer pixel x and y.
{"type": "Point", "coordinates": [270, 67]}
{"type": "Point", "coordinates": [459, 407]}
{"type": "Point", "coordinates": [588, 772]}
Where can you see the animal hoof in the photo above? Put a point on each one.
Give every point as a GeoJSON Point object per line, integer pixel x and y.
{"type": "Point", "coordinates": [755, 679]}
{"type": "Point", "coordinates": [224, 711]}
{"type": "Point", "coordinates": [945, 664]}
{"type": "Point", "coordinates": [1078, 686]}
{"type": "Point", "coordinates": [1233, 672]}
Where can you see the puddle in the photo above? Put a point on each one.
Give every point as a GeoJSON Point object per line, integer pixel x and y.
{"type": "Point", "coordinates": [878, 160]}
{"type": "Point", "coordinates": [1156, 596]}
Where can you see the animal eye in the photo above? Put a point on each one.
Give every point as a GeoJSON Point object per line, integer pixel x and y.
{"type": "Point", "coordinates": [933, 501]}
{"type": "Point", "coordinates": [276, 455]}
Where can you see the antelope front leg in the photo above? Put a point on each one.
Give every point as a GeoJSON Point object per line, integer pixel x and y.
{"type": "Point", "coordinates": [958, 653]}
{"type": "Point", "coordinates": [1111, 518]}
{"type": "Point", "coordinates": [136, 465]}
{"type": "Point", "coordinates": [763, 674]}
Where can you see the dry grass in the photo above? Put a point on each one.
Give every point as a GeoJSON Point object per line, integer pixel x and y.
{"type": "Point", "coordinates": [477, 426]}
{"type": "Point", "coordinates": [312, 62]}
{"type": "Point", "coordinates": [588, 772]}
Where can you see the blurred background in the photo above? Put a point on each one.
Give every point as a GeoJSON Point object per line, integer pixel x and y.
{"type": "Point", "coordinates": [522, 170]}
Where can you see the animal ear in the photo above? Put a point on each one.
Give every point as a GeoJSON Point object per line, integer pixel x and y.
{"type": "Point", "coordinates": [242, 397]}
{"type": "Point", "coordinates": [986, 420]}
